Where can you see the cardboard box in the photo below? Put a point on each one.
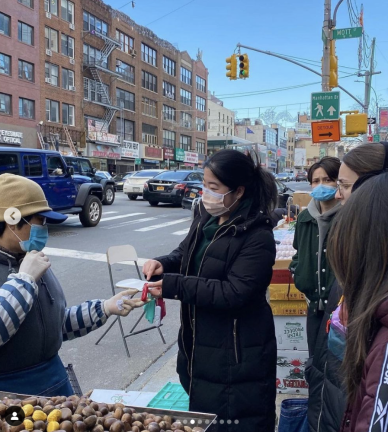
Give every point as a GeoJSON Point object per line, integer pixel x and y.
{"type": "Point", "coordinates": [301, 198]}
{"type": "Point", "coordinates": [281, 264]}
{"type": "Point", "coordinates": [287, 307]}
{"type": "Point", "coordinates": [290, 372]}
{"type": "Point", "coordinates": [285, 292]}
{"type": "Point", "coordinates": [291, 333]}
{"type": "Point", "coordinates": [281, 277]}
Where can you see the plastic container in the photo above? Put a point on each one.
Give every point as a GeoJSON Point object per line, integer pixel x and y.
{"type": "Point", "coordinates": [172, 396]}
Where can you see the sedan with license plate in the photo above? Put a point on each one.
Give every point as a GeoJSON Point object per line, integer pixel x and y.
{"type": "Point", "coordinates": [133, 186]}
{"type": "Point", "coordinates": [170, 186]}
{"type": "Point", "coordinates": [191, 194]}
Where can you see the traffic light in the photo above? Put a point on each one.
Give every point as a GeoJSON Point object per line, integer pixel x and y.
{"type": "Point", "coordinates": [244, 66]}
{"type": "Point", "coordinates": [356, 124]}
{"type": "Point", "coordinates": [333, 80]}
{"type": "Point", "coordinates": [231, 67]}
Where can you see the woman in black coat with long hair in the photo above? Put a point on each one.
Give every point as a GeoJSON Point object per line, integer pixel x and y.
{"type": "Point", "coordinates": [220, 273]}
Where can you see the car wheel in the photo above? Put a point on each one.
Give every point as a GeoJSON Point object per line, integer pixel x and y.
{"type": "Point", "coordinates": [91, 212]}
{"type": "Point", "coordinates": [109, 195]}
{"type": "Point", "coordinates": [153, 203]}
{"type": "Point", "coordinates": [132, 197]}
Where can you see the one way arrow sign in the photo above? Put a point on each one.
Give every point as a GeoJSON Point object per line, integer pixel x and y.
{"type": "Point", "coordinates": [371, 120]}
{"type": "Point", "coordinates": [331, 110]}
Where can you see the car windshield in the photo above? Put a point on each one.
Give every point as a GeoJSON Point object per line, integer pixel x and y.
{"type": "Point", "coordinates": [283, 174]}
{"type": "Point", "coordinates": [146, 174]}
{"type": "Point", "coordinates": [173, 175]}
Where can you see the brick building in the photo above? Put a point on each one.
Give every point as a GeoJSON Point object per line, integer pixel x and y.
{"type": "Point", "coordinates": [122, 94]}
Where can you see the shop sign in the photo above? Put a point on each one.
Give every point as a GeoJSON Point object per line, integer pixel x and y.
{"type": "Point", "coordinates": [104, 137]}
{"type": "Point", "coordinates": [189, 164]}
{"type": "Point", "coordinates": [153, 153]}
{"type": "Point", "coordinates": [106, 154]}
{"type": "Point", "coordinates": [168, 153]}
{"type": "Point", "coordinates": [130, 149]}
{"type": "Point", "coordinates": [11, 137]}
{"type": "Point", "coordinates": [96, 126]}
{"type": "Point", "coordinates": [179, 155]}
{"type": "Point", "coordinates": [191, 158]}
{"type": "Point", "coordinates": [137, 161]}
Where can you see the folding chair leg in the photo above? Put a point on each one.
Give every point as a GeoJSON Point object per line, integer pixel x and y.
{"type": "Point", "coordinates": [123, 337]}
{"type": "Point", "coordinates": [113, 322]}
{"type": "Point", "coordinates": [137, 322]}
{"type": "Point", "coordinates": [161, 335]}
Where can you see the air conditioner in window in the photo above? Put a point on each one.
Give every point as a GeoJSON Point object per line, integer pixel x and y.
{"type": "Point", "coordinates": [72, 88]}
{"type": "Point", "coordinates": [169, 95]}
{"type": "Point", "coordinates": [71, 26]}
{"type": "Point", "coordinates": [48, 15]}
{"type": "Point", "coordinates": [118, 63]}
{"type": "Point", "coordinates": [49, 52]}
{"type": "Point", "coordinates": [132, 52]}
{"type": "Point", "coordinates": [47, 80]}
{"type": "Point", "coordinates": [72, 61]}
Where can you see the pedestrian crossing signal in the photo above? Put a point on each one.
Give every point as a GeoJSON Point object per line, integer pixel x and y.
{"type": "Point", "coordinates": [231, 67]}
{"type": "Point", "coordinates": [244, 66]}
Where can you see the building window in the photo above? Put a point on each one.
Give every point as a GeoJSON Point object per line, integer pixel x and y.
{"type": "Point", "coordinates": [28, 3]}
{"type": "Point", "coordinates": [149, 134]}
{"type": "Point", "coordinates": [169, 113]}
{"type": "Point", "coordinates": [128, 133]}
{"type": "Point", "coordinates": [51, 72]}
{"type": "Point", "coordinates": [5, 104]}
{"type": "Point", "coordinates": [200, 147]}
{"type": "Point", "coordinates": [26, 71]}
{"type": "Point", "coordinates": [169, 138]}
{"type": "Point", "coordinates": [201, 84]}
{"type": "Point", "coordinates": [169, 90]}
{"type": "Point", "coordinates": [148, 54]}
{"type": "Point", "coordinates": [26, 108]}
{"type": "Point", "coordinates": [67, 45]}
{"type": "Point", "coordinates": [51, 38]}
{"type": "Point", "coordinates": [94, 92]}
{"type": "Point", "coordinates": [67, 11]}
{"type": "Point", "coordinates": [68, 114]}
{"type": "Point", "coordinates": [149, 81]}
{"type": "Point", "coordinates": [185, 142]}
{"type": "Point", "coordinates": [5, 64]}
{"type": "Point", "coordinates": [149, 107]}
{"type": "Point", "coordinates": [92, 23]}
{"type": "Point", "coordinates": [185, 75]}
{"type": "Point", "coordinates": [169, 66]}
{"type": "Point", "coordinates": [125, 40]}
{"type": "Point", "coordinates": [67, 79]}
{"type": "Point", "coordinates": [92, 56]}
{"type": "Point", "coordinates": [125, 99]}
{"type": "Point", "coordinates": [200, 103]}
{"type": "Point", "coordinates": [25, 33]}
{"type": "Point", "coordinates": [186, 120]}
{"type": "Point", "coordinates": [52, 111]}
{"type": "Point", "coordinates": [51, 6]}
{"type": "Point", "coordinates": [5, 25]}
{"type": "Point", "coordinates": [185, 97]}
{"type": "Point", "coordinates": [201, 124]}
{"type": "Point", "coordinates": [126, 71]}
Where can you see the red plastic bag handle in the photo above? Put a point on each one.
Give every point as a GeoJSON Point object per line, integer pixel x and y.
{"type": "Point", "coordinates": [144, 294]}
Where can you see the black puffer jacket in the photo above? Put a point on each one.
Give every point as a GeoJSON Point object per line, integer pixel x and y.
{"type": "Point", "coordinates": [327, 398]}
{"type": "Point", "coordinates": [227, 345]}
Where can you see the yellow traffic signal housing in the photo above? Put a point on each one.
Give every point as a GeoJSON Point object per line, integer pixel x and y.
{"type": "Point", "coordinates": [244, 66]}
{"type": "Point", "coordinates": [333, 79]}
{"type": "Point", "coordinates": [231, 67]}
{"type": "Point", "coordinates": [356, 124]}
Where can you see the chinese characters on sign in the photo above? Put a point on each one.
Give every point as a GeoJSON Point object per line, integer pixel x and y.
{"type": "Point", "coordinates": [153, 153]}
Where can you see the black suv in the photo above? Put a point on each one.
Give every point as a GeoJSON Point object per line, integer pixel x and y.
{"type": "Point", "coordinates": [83, 167]}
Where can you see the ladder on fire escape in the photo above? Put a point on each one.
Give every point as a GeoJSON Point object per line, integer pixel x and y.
{"type": "Point", "coordinates": [49, 144]}
{"type": "Point", "coordinates": [70, 142]}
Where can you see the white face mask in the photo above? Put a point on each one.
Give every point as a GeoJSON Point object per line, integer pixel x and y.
{"type": "Point", "coordinates": [214, 202]}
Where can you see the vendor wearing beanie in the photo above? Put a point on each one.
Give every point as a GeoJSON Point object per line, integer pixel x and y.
{"type": "Point", "coordinates": [34, 319]}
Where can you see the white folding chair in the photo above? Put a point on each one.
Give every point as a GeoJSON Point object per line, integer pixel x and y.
{"type": "Point", "coordinates": [115, 255]}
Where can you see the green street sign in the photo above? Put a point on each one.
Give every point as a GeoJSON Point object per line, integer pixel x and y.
{"type": "Point", "coordinates": [376, 138]}
{"type": "Point", "coordinates": [137, 161]}
{"type": "Point", "coordinates": [325, 106]}
{"type": "Point", "coordinates": [347, 33]}
{"type": "Point", "coordinates": [179, 155]}
{"type": "Point", "coordinates": [324, 37]}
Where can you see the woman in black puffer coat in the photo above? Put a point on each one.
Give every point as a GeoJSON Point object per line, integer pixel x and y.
{"type": "Point", "coordinates": [220, 273]}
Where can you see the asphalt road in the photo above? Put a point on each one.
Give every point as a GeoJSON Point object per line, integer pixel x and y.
{"type": "Point", "coordinates": [299, 186]}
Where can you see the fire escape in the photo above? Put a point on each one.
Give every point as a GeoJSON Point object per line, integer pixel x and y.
{"type": "Point", "coordinates": [99, 87]}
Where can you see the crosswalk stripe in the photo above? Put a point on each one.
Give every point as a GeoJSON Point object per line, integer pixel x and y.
{"type": "Point", "coordinates": [132, 222]}
{"type": "Point", "coordinates": [162, 225]}
{"type": "Point", "coordinates": [182, 232]}
{"type": "Point", "coordinates": [105, 213]}
{"type": "Point", "coordinates": [113, 218]}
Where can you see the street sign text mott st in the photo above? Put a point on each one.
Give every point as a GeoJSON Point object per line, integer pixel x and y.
{"type": "Point", "coordinates": [326, 131]}
{"type": "Point", "coordinates": [325, 106]}
{"type": "Point", "coordinates": [347, 33]}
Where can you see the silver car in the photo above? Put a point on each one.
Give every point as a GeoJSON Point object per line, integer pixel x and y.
{"type": "Point", "coordinates": [133, 186]}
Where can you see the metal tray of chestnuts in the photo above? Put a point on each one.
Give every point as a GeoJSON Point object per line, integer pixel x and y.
{"type": "Point", "coordinates": [81, 414]}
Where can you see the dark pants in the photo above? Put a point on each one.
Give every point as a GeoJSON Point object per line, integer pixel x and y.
{"type": "Point", "coordinates": [314, 320]}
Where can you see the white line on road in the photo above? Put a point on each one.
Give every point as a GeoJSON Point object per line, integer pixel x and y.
{"type": "Point", "coordinates": [113, 218]}
{"type": "Point", "coordinates": [105, 213]}
{"type": "Point", "coordinates": [162, 225]}
{"type": "Point", "coordinates": [123, 224]}
{"type": "Point", "coordinates": [183, 232]}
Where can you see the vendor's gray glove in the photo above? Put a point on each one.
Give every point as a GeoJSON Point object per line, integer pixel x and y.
{"type": "Point", "coordinates": [121, 304]}
{"type": "Point", "coordinates": [35, 264]}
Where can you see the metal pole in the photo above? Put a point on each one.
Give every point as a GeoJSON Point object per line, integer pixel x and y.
{"type": "Point", "coordinates": [326, 46]}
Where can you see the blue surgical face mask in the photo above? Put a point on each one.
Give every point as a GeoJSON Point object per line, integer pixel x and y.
{"type": "Point", "coordinates": [324, 193]}
{"type": "Point", "coordinates": [38, 238]}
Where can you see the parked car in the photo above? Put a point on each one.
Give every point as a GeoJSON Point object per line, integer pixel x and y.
{"type": "Point", "coordinates": [284, 177]}
{"type": "Point", "coordinates": [133, 185]}
{"type": "Point", "coordinates": [83, 167]}
{"type": "Point", "coordinates": [65, 192]}
{"type": "Point", "coordinates": [284, 192]}
{"type": "Point", "coordinates": [169, 187]}
{"type": "Point", "coordinates": [119, 180]}
{"type": "Point", "coordinates": [104, 174]}
{"type": "Point", "coordinates": [191, 194]}
{"type": "Point", "coordinates": [301, 176]}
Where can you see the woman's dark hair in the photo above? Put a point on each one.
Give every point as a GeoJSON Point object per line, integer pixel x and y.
{"type": "Point", "coordinates": [365, 158]}
{"type": "Point", "coordinates": [330, 164]}
{"type": "Point", "coordinates": [20, 224]}
{"type": "Point", "coordinates": [234, 169]}
{"type": "Point", "coordinates": [359, 259]}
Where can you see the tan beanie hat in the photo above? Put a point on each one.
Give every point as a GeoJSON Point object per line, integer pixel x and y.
{"type": "Point", "coordinates": [24, 194]}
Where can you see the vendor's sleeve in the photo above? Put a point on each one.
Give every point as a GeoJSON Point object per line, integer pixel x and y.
{"type": "Point", "coordinates": [17, 296]}
{"type": "Point", "coordinates": [81, 320]}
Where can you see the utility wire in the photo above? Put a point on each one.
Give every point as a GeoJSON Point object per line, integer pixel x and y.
{"type": "Point", "coordinates": [169, 13]}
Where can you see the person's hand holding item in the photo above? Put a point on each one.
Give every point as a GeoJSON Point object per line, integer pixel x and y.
{"type": "Point", "coordinates": [121, 304]}
{"type": "Point", "coordinates": [152, 268]}
{"type": "Point", "coordinates": [35, 264]}
{"type": "Point", "coordinates": [155, 288]}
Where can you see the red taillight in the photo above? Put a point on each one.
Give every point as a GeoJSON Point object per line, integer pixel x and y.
{"type": "Point", "coordinates": [200, 193]}
{"type": "Point", "coordinates": [145, 185]}
{"type": "Point", "coordinates": [179, 186]}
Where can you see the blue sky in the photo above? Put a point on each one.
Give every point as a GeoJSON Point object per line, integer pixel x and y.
{"type": "Point", "coordinates": [281, 26]}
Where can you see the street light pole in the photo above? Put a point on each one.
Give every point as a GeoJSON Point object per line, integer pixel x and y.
{"type": "Point", "coordinates": [326, 46]}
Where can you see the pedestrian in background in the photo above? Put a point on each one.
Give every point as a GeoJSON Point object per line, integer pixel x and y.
{"type": "Point", "coordinates": [327, 394]}
{"type": "Point", "coordinates": [220, 273]}
{"type": "Point", "coordinates": [358, 254]}
{"type": "Point", "coordinates": [312, 274]}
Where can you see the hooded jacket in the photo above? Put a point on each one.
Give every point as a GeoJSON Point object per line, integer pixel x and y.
{"type": "Point", "coordinates": [369, 412]}
{"type": "Point", "coordinates": [227, 346]}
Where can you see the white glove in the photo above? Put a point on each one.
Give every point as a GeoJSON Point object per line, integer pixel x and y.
{"type": "Point", "coordinates": [35, 264]}
{"type": "Point", "coordinates": [121, 304]}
